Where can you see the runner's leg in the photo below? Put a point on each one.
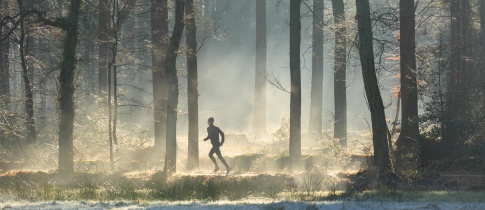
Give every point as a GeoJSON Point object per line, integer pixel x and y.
{"type": "Point", "coordinates": [211, 156]}
{"type": "Point", "coordinates": [219, 155]}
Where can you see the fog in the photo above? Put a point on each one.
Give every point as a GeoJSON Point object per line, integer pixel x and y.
{"type": "Point", "coordinates": [227, 74]}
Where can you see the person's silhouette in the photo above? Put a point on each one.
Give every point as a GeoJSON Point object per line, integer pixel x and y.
{"type": "Point", "coordinates": [213, 134]}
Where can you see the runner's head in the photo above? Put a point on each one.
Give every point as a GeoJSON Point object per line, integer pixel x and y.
{"type": "Point", "coordinates": [210, 121]}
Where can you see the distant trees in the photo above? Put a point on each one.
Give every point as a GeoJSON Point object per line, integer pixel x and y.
{"type": "Point", "coordinates": [295, 74]}
{"type": "Point", "coordinates": [316, 105]}
{"type": "Point", "coordinates": [173, 92]}
{"type": "Point", "coordinates": [192, 92]}
{"type": "Point", "coordinates": [259, 113]}
{"type": "Point", "coordinates": [340, 67]}
{"type": "Point", "coordinates": [371, 86]}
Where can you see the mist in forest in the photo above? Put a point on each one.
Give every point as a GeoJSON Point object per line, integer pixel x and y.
{"type": "Point", "coordinates": [94, 103]}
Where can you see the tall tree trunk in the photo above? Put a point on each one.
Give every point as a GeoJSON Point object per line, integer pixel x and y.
{"type": "Point", "coordinates": [378, 118]}
{"type": "Point", "coordinates": [316, 106]}
{"type": "Point", "coordinates": [118, 16]}
{"type": "Point", "coordinates": [103, 39]}
{"type": "Point", "coordinates": [259, 113]}
{"type": "Point", "coordinates": [159, 28]}
{"type": "Point", "coordinates": [29, 95]}
{"type": "Point", "coordinates": [409, 135]}
{"type": "Point", "coordinates": [66, 91]}
{"type": "Point", "coordinates": [192, 92]}
{"type": "Point", "coordinates": [173, 93]}
{"type": "Point", "coordinates": [340, 68]}
{"type": "Point", "coordinates": [295, 74]}
{"type": "Point", "coordinates": [4, 67]}
{"type": "Point", "coordinates": [454, 135]}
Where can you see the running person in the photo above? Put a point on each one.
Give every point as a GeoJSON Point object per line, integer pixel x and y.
{"type": "Point", "coordinates": [213, 134]}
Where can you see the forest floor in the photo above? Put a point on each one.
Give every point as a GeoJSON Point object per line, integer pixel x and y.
{"type": "Point", "coordinates": [249, 204]}
{"type": "Point", "coordinates": [259, 180]}
{"type": "Point", "coordinates": [207, 190]}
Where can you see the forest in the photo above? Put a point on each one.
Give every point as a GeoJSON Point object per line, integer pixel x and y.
{"type": "Point", "coordinates": [304, 104]}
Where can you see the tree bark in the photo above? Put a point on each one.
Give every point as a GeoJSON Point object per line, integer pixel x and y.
{"type": "Point", "coordinates": [103, 39]}
{"type": "Point", "coordinates": [409, 135]}
{"type": "Point", "coordinates": [316, 105]}
{"type": "Point", "coordinates": [159, 27]}
{"type": "Point", "coordinates": [259, 114]}
{"type": "Point", "coordinates": [171, 61]}
{"type": "Point", "coordinates": [66, 91]}
{"type": "Point", "coordinates": [340, 68]}
{"type": "Point", "coordinates": [371, 86]}
{"type": "Point", "coordinates": [454, 132]}
{"type": "Point", "coordinates": [192, 92]}
{"type": "Point", "coordinates": [4, 64]}
{"type": "Point", "coordinates": [295, 74]}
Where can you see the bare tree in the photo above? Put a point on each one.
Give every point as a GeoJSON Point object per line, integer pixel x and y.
{"type": "Point", "coordinates": [192, 92]}
{"type": "Point", "coordinates": [340, 68]}
{"type": "Point", "coordinates": [295, 74]}
{"type": "Point", "coordinates": [374, 100]}
{"type": "Point", "coordinates": [173, 92]}
{"type": "Point", "coordinates": [103, 39]}
{"type": "Point", "coordinates": [66, 80]}
{"type": "Point", "coordinates": [27, 71]}
{"type": "Point", "coordinates": [159, 27]}
{"type": "Point", "coordinates": [259, 114]}
{"type": "Point", "coordinates": [316, 106]}
{"type": "Point", "coordinates": [119, 13]}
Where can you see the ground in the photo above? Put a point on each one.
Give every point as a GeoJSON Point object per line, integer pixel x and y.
{"type": "Point", "coordinates": [334, 179]}
{"type": "Point", "coordinates": [247, 204]}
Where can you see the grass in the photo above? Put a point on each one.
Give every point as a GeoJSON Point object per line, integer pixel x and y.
{"type": "Point", "coordinates": [117, 187]}
{"type": "Point", "coordinates": [157, 187]}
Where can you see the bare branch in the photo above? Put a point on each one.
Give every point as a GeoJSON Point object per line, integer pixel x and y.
{"type": "Point", "coordinates": [273, 80]}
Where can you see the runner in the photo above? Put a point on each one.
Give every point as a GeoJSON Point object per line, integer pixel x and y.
{"type": "Point", "coordinates": [213, 134]}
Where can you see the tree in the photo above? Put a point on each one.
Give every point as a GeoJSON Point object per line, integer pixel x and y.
{"type": "Point", "coordinates": [119, 14]}
{"type": "Point", "coordinates": [316, 106]}
{"type": "Point", "coordinates": [371, 86]}
{"type": "Point", "coordinates": [103, 39]}
{"type": "Point", "coordinates": [409, 135]}
{"type": "Point", "coordinates": [455, 123]}
{"type": "Point", "coordinates": [192, 92]}
{"type": "Point", "coordinates": [66, 80]}
{"type": "Point", "coordinates": [4, 66]}
{"type": "Point", "coordinates": [340, 67]}
{"type": "Point", "coordinates": [295, 74]}
{"type": "Point", "coordinates": [259, 114]}
{"type": "Point", "coordinates": [173, 93]}
{"type": "Point", "coordinates": [27, 70]}
{"type": "Point", "coordinates": [159, 28]}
